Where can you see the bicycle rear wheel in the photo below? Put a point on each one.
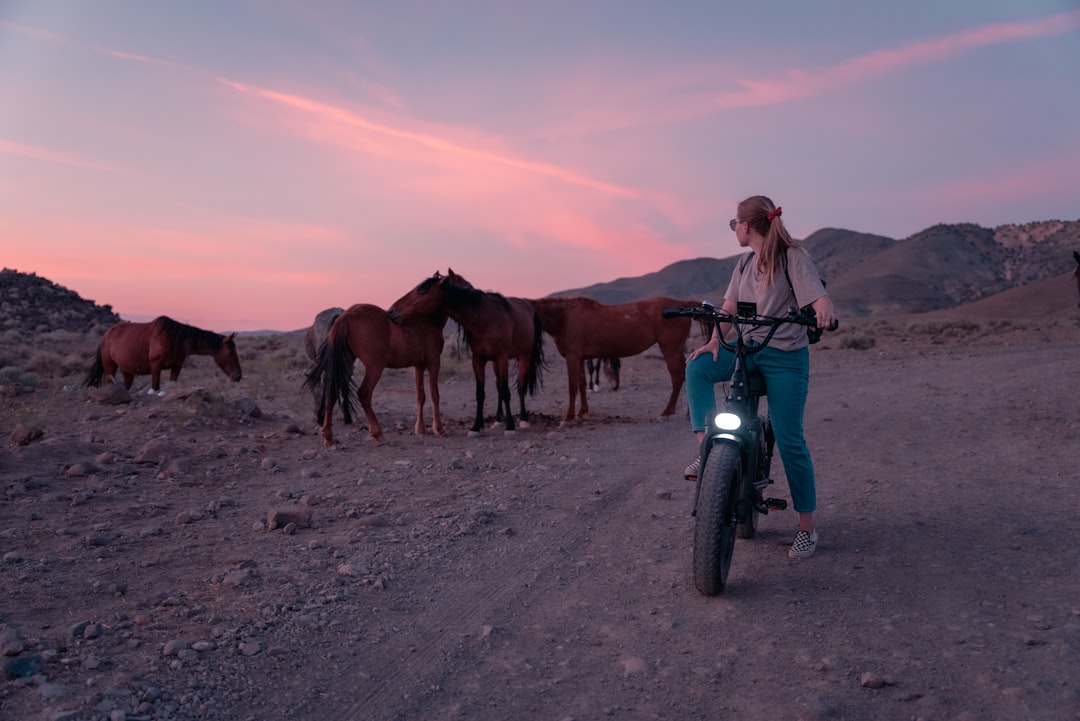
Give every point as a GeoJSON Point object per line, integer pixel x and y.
{"type": "Point", "coordinates": [714, 533]}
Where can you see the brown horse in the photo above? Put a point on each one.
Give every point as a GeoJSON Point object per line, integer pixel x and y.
{"type": "Point", "coordinates": [586, 328]}
{"type": "Point", "coordinates": [496, 328]}
{"type": "Point", "coordinates": [366, 332]}
{"type": "Point", "coordinates": [611, 368]}
{"type": "Point", "coordinates": [1076, 274]}
{"type": "Point", "coordinates": [138, 349]}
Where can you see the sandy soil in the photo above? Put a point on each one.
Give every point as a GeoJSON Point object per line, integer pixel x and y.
{"type": "Point", "coordinates": [546, 575]}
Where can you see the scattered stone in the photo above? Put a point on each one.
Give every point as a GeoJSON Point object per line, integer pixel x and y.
{"type": "Point", "coordinates": [869, 679]}
{"type": "Point", "coordinates": [281, 517]}
{"type": "Point", "coordinates": [250, 648]}
{"type": "Point", "coordinates": [11, 642]}
{"type": "Point", "coordinates": [113, 394]}
{"type": "Point", "coordinates": [156, 451]}
{"type": "Point", "coordinates": [12, 557]}
{"type": "Point", "coordinates": [172, 648]}
{"type": "Point", "coordinates": [24, 667]}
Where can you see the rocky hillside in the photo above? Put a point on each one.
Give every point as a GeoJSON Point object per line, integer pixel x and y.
{"type": "Point", "coordinates": [942, 267]}
{"type": "Point", "coordinates": [31, 305]}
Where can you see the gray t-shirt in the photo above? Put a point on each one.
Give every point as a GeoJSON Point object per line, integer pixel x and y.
{"type": "Point", "coordinates": [776, 298]}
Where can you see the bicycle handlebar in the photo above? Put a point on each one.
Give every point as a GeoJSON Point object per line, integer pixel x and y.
{"type": "Point", "coordinates": [706, 311]}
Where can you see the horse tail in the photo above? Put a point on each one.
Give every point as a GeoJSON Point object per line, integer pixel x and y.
{"type": "Point", "coordinates": [340, 368]}
{"type": "Point", "coordinates": [534, 378]}
{"type": "Point", "coordinates": [97, 372]}
{"type": "Point", "coordinates": [330, 378]}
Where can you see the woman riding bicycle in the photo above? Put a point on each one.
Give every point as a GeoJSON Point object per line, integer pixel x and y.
{"type": "Point", "coordinates": [778, 275]}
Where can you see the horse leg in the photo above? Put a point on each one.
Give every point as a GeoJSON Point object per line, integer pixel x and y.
{"type": "Point", "coordinates": [433, 384]}
{"type": "Point", "coordinates": [328, 419]}
{"type": "Point", "coordinates": [478, 371]}
{"type": "Point", "coordinates": [364, 392]}
{"type": "Point", "coordinates": [155, 379]}
{"type": "Point", "coordinates": [523, 372]}
{"type": "Point", "coordinates": [129, 379]}
{"type": "Point", "coordinates": [502, 383]}
{"type": "Point", "coordinates": [418, 374]}
{"type": "Point", "coordinates": [584, 409]}
{"type": "Point", "coordinates": [677, 369]}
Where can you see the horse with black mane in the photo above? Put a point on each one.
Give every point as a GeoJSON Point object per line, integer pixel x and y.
{"type": "Point", "coordinates": [366, 332]}
{"type": "Point", "coordinates": [496, 328]}
{"type": "Point", "coordinates": [138, 349]}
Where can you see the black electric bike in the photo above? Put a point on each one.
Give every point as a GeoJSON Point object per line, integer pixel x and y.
{"type": "Point", "coordinates": [737, 451]}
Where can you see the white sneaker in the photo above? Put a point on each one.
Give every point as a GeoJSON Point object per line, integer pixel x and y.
{"type": "Point", "coordinates": [692, 471]}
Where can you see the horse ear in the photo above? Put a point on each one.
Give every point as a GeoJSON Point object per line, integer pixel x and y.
{"type": "Point", "coordinates": [231, 337]}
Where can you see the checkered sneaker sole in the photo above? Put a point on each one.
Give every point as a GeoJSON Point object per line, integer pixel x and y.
{"type": "Point", "coordinates": [804, 546]}
{"type": "Point", "coordinates": [691, 472]}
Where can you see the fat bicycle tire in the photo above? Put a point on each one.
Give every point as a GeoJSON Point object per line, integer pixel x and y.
{"type": "Point", "coordinates": [714, 533]}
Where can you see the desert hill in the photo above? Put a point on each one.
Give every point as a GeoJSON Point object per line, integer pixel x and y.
{"type": "Point", "coordinates": [941, 267]}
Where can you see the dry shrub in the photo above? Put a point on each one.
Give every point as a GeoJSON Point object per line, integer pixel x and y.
{"type": "Point", "coordinates": [46, 362]}
{"type": "Point", "coordinates": [945, 328]}
{"type": "Point", "coordinates": [857, 340]}
{"type": "Point", "coordinates": [16, 376]}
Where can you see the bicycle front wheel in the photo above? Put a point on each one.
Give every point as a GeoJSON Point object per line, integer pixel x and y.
{"type": "Point", "coordinates": [714, 532]}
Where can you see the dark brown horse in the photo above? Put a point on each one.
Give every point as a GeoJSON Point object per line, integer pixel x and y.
{"type": "Point", "coordinates": [611, 368]}
{"type": "Point", "coordinates": [366, 332]}
{"type": "Point", "coordinates": [496, 328]}
{"type": "Point", "coordinates": [138, 349]}
{"type": "Point", "coordinates": [586, 328]}
{"type": "Point", "coordinates": [1076, 274]}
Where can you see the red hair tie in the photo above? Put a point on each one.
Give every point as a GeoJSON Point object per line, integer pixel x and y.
{"type": "Point", "coordinates": [774, 213]}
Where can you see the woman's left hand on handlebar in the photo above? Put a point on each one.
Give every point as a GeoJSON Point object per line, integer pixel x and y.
{"type": "Point", "coordinates": [826, 313]}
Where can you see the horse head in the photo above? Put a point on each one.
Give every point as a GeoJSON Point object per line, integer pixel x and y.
{"type": "Point", "coordinates": [423, 300]}
{"type": "Point", "coordinates": [227, 358]}
{"type": "Point", "coordinates": [455, 279]}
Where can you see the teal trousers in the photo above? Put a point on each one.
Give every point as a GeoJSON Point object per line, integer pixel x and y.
{"type": "Point", "coordinates": [787, 379]}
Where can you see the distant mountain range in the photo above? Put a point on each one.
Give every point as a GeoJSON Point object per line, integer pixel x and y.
{"type": "Point", "coordinates": [1010, 270]}
{"type": "Point", "coordinates": [942, 267]}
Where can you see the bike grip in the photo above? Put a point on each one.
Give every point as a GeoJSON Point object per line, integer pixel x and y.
{"type": "Point", "coordinates": [671, 312]}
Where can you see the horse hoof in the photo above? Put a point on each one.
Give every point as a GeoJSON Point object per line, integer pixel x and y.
{"type": "Point", "coordinates": [565, 424]}
{"type": "Point", "coordinates": [509, 433]}
{"type": "Point", "coordinates": [474, 434]}
{"type": "Point", "coordinates": [523, 424]}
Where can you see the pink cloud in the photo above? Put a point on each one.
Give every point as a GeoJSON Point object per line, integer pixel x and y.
{"type": "Point", "coordinates": [35, 152]}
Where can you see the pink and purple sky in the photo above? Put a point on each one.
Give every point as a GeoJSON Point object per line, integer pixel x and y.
{"type": "Point", "coordinates": [243, 165]}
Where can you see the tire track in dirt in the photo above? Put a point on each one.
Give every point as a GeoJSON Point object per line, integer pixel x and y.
{"type": "Point", "coordinates": [417, 659]}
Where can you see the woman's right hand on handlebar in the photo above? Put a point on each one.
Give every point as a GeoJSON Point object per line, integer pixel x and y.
{"type": "Point", "coordinates": [712, 347]}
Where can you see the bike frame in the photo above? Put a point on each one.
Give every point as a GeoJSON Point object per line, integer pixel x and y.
{"type": "Point", "coordinates": [742, 399]}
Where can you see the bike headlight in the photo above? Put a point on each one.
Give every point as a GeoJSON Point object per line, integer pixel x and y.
{"type": "Point", "coordinates": [727, 421]}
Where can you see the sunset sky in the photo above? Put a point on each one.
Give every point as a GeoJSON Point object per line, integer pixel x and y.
{"type": "Point", "coordinates": [242, 165]}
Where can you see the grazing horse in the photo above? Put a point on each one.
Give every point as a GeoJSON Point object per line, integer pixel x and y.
{"type": "Point", "coordinates": [366, 332]}
{"type": "Point", "coordinates": [496, 328]}
{"type": "Point", "coordinates": [586, 328]}
{"type": "Point", "coordinates": [611, 367]}
{"type": "Point", "coordinates": [138, 349]}
{"type": "Point", "coordinates": [1076, 274]}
